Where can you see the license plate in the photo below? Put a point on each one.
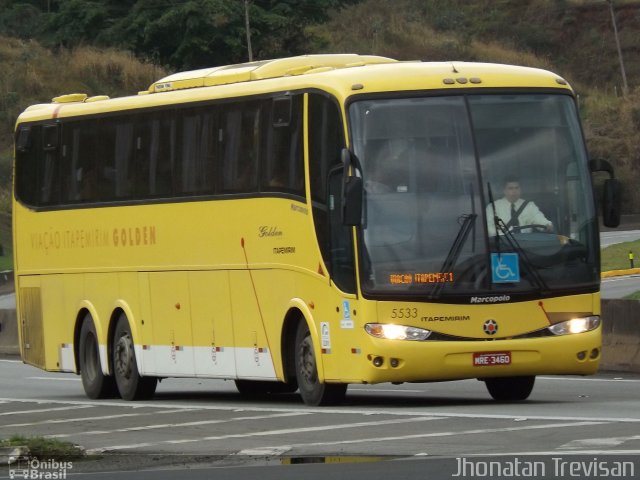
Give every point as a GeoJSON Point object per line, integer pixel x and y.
{"type": "Point", "coordinates": [491, 359]}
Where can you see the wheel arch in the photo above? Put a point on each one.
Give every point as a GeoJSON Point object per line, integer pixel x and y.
{"type": "Point", "coordinates": [87, 308]}
{"type": "Point", "coordinates": [122, 308]}
{"type": "Point", "coordinates": [298, 312]}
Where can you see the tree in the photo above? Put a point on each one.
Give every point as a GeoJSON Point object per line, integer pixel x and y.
{"type": "Point", "coordinates": [183, 34]}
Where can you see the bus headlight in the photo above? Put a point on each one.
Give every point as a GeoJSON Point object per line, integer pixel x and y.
{"type": "Point", "coordinates": [390, 331]}
{"type": "Point", "coordinates": [576, 325]}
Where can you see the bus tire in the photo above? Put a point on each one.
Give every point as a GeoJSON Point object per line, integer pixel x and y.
{"type": "Point", "coordinates": [257, 388]}
{"type": "Point", "coordinates": [510, 389]}
{"type": "Point", "coordinates": [96, 384]}
{"type": "Point", "coordinates": [312, 391]}
{"type": "Point", "coordinates": [131, 385]}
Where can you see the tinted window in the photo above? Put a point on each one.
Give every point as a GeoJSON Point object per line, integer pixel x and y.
{"type": "Point", "coordinates": [244, 147]}
{"type": "Point", "coordinates": [283, 165]}
{"type": "Point", "coordinates": [326, 140]}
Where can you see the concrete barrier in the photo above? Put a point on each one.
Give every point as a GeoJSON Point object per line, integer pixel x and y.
{"type": "Point", "coordinates": [620, 336]}
{"type": "Point", "coordinates": [8, 333]}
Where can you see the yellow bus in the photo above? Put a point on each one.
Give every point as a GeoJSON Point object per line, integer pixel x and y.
{"type": "Point", "coordinates": [308, 223]}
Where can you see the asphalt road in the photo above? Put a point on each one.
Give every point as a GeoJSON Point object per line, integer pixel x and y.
{"type": "Point", "coordinates": [613, 237]}
{"type": "Point", "coordinates": [619, 287]}
{"type": "Point", "coordinates": [207, 428]}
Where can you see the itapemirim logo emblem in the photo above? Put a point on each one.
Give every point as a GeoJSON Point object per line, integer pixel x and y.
{"type": "Point", "coordinates": [490, 327]}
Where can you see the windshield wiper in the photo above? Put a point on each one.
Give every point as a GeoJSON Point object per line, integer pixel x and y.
{"type": "Point", "coordinates": [455, 250]}
{"type": "Point", "coordinates": [513, 243]}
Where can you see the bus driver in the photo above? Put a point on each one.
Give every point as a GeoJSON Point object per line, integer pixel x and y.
{"type": "Point", "coordinates": [514, 211]}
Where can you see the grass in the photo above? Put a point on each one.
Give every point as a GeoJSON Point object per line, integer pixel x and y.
{"type": "Point", "coordinates": [6, 259]}
{"type": "Point", "coordinates": [633, 296]}
{"type": "Point", "coordinates": [616, 257]}
{"type": "Point", "coordinates": [45, 448]}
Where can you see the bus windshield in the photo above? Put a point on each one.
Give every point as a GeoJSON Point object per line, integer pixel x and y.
{"type": "Point", "coordinates": [474, 194]}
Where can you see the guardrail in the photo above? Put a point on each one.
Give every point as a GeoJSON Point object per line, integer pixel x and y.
{"type": "Point", "coordinates": [620, 336]}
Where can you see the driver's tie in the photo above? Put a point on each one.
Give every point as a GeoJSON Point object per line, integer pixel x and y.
{"type": "Point", "coordinates": [514, 216]}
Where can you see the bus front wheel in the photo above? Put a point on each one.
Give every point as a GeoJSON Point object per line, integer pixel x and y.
{"type": "Point", "coordinates": [96, 384]}
{"type": "Point", "coordinates": [131, 385]}
{"type": "Point", "coordinates": [510, 389]}
{"type": "Point", "coordinates": [312, 391]}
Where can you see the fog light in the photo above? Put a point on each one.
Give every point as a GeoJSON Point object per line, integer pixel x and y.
{"type": "Point", "coordinates": [581, 355]}
{"type": "Point", "coordinates": [595, 353]}
{"type": "Point", "coordinates": [394, 362]}
{"type": "Point", "coordinates": [378, 361]}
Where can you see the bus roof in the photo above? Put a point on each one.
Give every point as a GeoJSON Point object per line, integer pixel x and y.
{"type": "Point", "coordinates": [340, 74]}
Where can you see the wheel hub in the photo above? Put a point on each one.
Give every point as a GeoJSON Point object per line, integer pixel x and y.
{"type": "Point", "coordinates": [308, 363]}
{"type": "Point", "coordinates": [124, 356]}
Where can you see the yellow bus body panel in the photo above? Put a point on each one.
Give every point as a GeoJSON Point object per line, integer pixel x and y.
{"type": "Point", "coordinates": [207, 284]}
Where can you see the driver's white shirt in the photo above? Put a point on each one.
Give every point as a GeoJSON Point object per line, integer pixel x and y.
{"type": "Point", "coordinates": [530, 215]}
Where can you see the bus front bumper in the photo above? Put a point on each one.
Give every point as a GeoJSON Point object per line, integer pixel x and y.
{"type": "Point", "coordinates": [413, 361]}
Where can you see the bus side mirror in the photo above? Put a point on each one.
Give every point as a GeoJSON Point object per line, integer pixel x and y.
{"type": "Point", "coordinates": [352, 206]}
{"type": "Point", "coordinates": [352, 190]}
{"type": "Point", "coordinates": [611, 193]}
{"type": "Point", "coordinates": [611, 202]}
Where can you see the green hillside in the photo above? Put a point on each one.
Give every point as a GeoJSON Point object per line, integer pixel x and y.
{"type": "Point", "coordinates": [33, 74]}
{"type": "Point", "coordinates": [571, 37]}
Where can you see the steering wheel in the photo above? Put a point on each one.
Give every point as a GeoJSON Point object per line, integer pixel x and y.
{"type": "Point", "coordinates": [534, 227]}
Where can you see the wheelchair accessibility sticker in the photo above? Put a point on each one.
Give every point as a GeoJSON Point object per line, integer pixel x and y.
{"type": "Point", "coordinates": [505, 268]}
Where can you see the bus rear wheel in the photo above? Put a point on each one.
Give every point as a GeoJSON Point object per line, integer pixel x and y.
{"type": "Point", "coordinates": [510, 389]}
{"type": "Point", "coordinates": [312, 391]}
{"type": "Point", "coordinates": [131, 385]}
{"type": "Point", "coordinates": [96, 384]}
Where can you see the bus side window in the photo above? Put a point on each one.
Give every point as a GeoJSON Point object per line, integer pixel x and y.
{"type": "Point", "coordinates": [199, 151]}
{"type": "Point", "coordinates": [282, 162]}
{"type": "Point", "coordinates": [326, 140]}
{"type": "Point", "coordinates": [28, 157]}
{"type": "Point", "coordinates": [50, 168]}
{"type": "Point", "coordinates": [241, 143]}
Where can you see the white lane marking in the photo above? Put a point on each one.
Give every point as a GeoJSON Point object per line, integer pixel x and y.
{"type": "Point", "coordinates": [88, 419]}
{"type": "Point", "coordinates": [174, 425]}
{"type": "Point", "coordinates": [94, 451]}
{"type": "Point", "coordinates": [284, 431]}
{"type": "Point", "coordinates": [45, 410]}
{"type": "Point", "coordinates": [59, 379]}
{"type": "Point", "coordinates": [442, 434]}
{"type": "Point", "coordinates": [10, 361]}
{"type": "Point", "coordinates": [571, 379]}
{"type": "Point", "coordinates": [323, 428]}
{"type": "Point", "coordinates": [623, 278]}
{"type": "Point", "coordinates": [553, 453]}
{"type": "Point", "coordinates": [353, 411]}
{"type": "Point", "coordinates": [264, 452]}
{"type": "Point", "coordinates": [598, 442]}
{"type": "Point", "coordinates": [596, 452]}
